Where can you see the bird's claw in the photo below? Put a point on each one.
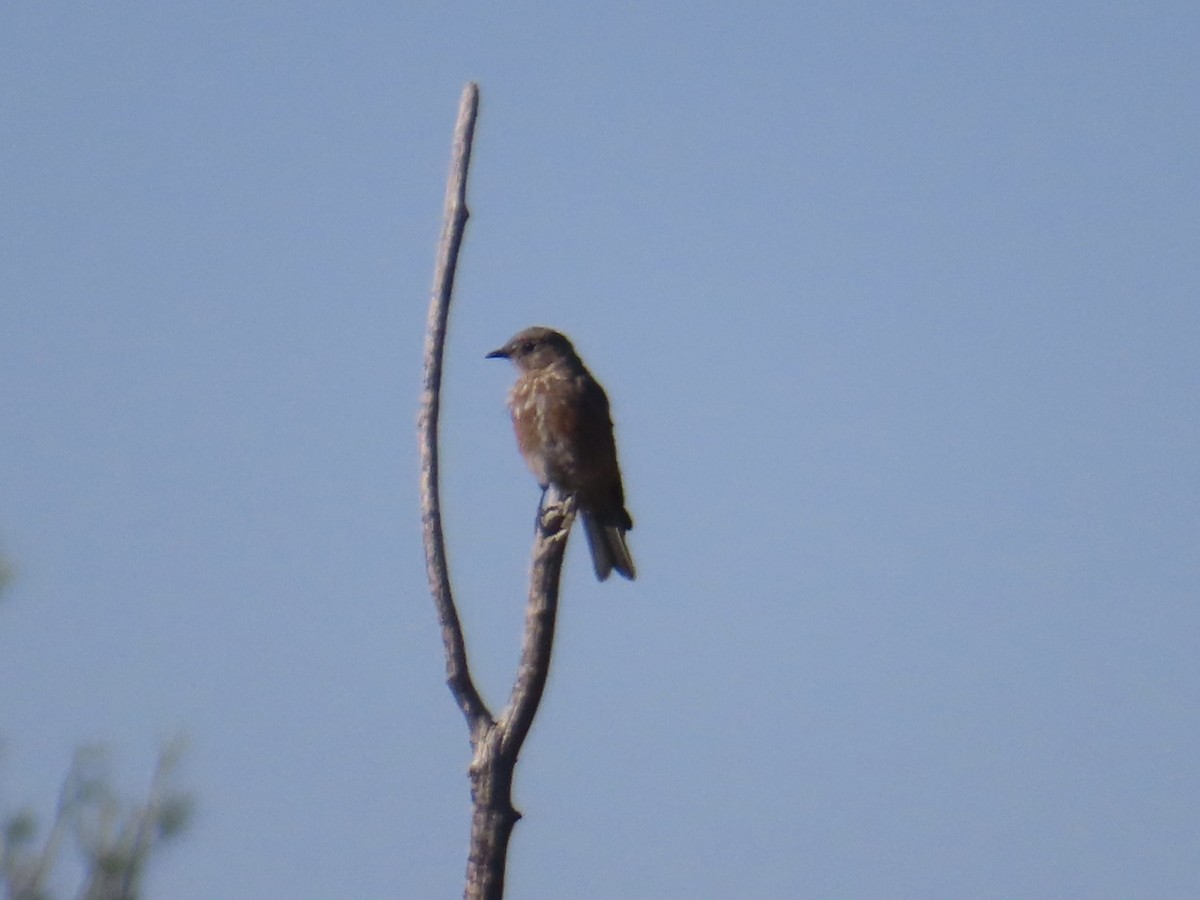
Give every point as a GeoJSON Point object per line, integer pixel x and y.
{"type": "Point", "coordinates": [555, 518]}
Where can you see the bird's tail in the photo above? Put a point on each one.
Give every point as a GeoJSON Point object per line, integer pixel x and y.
{"type": "Point", "coordinates": [609, 550]}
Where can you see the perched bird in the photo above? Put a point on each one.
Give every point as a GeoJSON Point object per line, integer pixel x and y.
{"type": "Point", "coordinates": [560, 415]}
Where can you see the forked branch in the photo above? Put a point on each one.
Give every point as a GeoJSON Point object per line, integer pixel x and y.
{"type": "Point", "coordinates": [495, 744]}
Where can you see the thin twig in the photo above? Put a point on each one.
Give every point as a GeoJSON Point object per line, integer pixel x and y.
{"type": "Point", "coordinates": [458, 674]}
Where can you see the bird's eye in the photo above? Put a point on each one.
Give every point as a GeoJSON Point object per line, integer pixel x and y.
{"type": "Point", "coordinates": [527, 347]}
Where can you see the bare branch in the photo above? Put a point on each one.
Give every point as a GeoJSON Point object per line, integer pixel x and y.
{"type": "Point", "coordinates": [540, 614]}
{"type": "Point", "coordinates": [497, 748]}
{"type": "Point", "coordinates": [458, 674]}
{"type": "Point", "coordinates": [495, 744]}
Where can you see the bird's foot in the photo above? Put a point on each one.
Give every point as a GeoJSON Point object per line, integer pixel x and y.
{"type": "Point", "coordinates": [555, 518]}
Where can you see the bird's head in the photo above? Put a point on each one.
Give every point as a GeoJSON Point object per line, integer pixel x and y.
{"type": "Point", "coordinates": [535, 349]}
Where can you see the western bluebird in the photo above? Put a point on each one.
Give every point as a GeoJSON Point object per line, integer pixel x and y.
{"type": "Point", "coordinates": [560, 415]}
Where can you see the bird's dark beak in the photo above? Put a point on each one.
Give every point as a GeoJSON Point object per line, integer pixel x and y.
{"type": "Point", "coordinates": [498, 354]}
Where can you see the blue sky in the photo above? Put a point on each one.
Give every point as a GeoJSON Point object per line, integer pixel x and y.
{"type": "Point", "coordinates": [897, 308]}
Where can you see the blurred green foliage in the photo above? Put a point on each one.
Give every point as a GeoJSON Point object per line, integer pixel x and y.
{"type": "Point", "coordinates": [115, 838]}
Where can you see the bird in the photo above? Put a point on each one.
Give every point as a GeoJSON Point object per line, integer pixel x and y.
{"type": "Point", "coordinates": [564, 431]}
